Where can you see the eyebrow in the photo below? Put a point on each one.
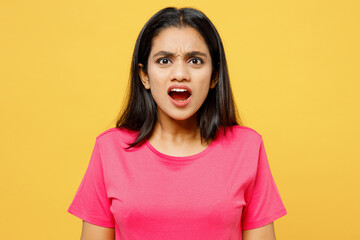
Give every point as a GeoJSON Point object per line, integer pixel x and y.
{"type": "Point", "coordinates": [188, 54]}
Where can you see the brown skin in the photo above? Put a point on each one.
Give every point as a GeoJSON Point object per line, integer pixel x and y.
{"type": "Point", "coordinates": [176, 132]}
{"type": "Point", "coordinates": [266, 232]}
{"type": "Point", "coordinates": [93, 232]}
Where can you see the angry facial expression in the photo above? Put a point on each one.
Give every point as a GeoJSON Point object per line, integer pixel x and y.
{"type": "Point", "coordinates": [179, 72]}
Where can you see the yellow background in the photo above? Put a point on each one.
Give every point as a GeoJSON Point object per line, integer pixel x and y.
{"type": "Point", "coordinates": [294, 69]}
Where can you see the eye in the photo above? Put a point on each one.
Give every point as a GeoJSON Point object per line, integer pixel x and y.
{"type": "Point", "coordinates": [196, 61]}
{"type": "Point", "coordinates": [163, 61]}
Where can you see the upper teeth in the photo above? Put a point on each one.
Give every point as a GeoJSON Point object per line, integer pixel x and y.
{"type": "Point", "coordinates": [178, 90]}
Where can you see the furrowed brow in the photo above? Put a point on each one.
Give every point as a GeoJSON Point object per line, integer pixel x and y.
{"type": "Point", "coordinates": [163, 53]}
{"type": "Point", "coordinates": [196, 53]}
{"type": "Point", "coordinates": [170, 54]}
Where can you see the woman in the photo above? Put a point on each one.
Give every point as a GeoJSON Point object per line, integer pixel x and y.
{"type": "Point", "coordinates": [178, 164]}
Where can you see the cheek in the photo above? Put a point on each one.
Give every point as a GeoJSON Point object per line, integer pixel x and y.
{"type": "Point", "coordinates": [155, 80]}
{"type": "Point", "coordinates": [157, 90]}
{"type": "Point", "coordinates": [202, 94]}
{"type": "Point", "coordinates": [205, 80]}
{"type": "Point", "coordinates": [204, 87]}
{"type": "Point", "coordinates": [157, 96]}
{"type": "Point", "coordinates": [205, 75]}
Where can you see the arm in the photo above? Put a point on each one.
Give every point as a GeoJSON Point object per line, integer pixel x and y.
{"type": "Point", "coordinates": [94, 232]}
{"type": "Point", "coordinates": [266, 232]}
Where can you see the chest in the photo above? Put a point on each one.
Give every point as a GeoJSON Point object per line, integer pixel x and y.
{"type": "Point", "coordinates": [150, 192]}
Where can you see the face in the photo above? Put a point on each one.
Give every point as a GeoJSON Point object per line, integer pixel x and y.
{"type": "Point", "coordinates": [179, 72]}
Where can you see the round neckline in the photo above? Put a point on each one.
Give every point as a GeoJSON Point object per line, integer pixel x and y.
{"type": "Point", "coordinates": [181, 158]}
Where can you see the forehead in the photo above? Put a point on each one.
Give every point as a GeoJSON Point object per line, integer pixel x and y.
{"type": "Point", "coordinates": [179, 39]}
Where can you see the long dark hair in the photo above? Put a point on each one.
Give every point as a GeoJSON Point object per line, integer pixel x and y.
{"type": "Point", "coordinates": [218, 109]}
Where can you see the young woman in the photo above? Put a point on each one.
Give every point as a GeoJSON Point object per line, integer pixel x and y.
{"type": "Point", "coordinates": [179, 164]}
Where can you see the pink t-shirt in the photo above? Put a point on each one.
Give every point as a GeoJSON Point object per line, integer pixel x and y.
{"type": "Point", "coordinates": [145, 194]}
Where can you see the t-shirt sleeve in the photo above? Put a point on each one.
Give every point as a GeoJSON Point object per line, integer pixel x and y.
{"type": "Point", "coordinates": [91, 202]}
{"type": "Point", "coordinates": [264, 204]}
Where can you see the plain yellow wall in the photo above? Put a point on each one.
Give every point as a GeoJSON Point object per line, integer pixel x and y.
{"type": "Point", "coordinates": [294, 69]}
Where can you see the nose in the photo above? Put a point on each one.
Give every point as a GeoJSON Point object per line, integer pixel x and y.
{"type": "Point", "coordinates": [180, 72]}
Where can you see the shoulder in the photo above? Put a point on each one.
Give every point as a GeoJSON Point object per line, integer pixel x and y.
{"type": "Point", "coordinates": [240, 131]}
{"type": "Point", "coordinates": [119, 136]}
{"type": "Point", "coordinates": [115, 131]}
{"type": "Point", "coordinates": [246, 130]}
{"type": "Point", "coordinates": [237, 133]}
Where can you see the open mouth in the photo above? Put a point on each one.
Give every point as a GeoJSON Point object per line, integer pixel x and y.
{"type": "Point", "coordinates": [179, 94]}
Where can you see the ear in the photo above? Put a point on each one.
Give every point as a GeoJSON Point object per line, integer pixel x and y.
{"type": "Point", "coordinates": [214, 80]}
{"type": "Point", "coordinates": [143, 76]}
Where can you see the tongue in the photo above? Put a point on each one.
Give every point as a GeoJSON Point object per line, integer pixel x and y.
{"type": "Point", "coordinates": [179, 96]}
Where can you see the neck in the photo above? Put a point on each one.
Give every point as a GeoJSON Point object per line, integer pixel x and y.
{"type": "Point", "coordinates": [177, 131]}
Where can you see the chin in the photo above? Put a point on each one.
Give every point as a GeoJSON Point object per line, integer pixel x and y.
{"type": "Point", "coordinates": [182, 116]}
{"type": "Point", "coordinates": [177, 114]}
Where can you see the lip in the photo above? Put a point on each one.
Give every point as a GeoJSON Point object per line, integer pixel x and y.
{"type": "Point", "coordinates": [180, 86]}
{"type": "Point", "coordinates": [180, 103]}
